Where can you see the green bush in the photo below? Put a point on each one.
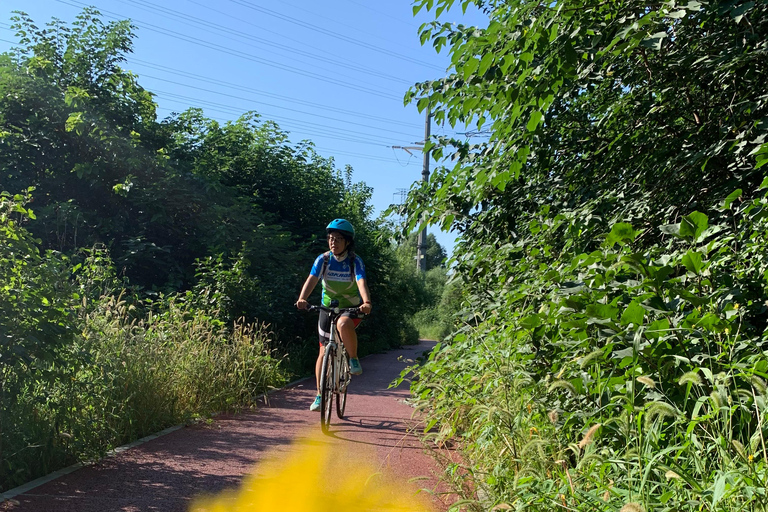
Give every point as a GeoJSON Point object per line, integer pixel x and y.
{"type": "Point", "coordinates": [617, 376]}
{"type": "Point", "coordinates": [84, 371]}
{"type": "Point", "coordinates": [129, 377]}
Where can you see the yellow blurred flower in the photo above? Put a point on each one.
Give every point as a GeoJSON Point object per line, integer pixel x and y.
{"type": "Point", "coordinates": [316, 476]}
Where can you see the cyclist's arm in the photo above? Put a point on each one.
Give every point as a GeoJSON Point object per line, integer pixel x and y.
{"type": "Point", "coordinates": [362, 285]}
{"type": "Point", "coordinates": [306, 291]}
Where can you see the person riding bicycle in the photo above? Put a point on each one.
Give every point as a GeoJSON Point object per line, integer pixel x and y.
{"type": "Point", "coordinates": [343, 276]}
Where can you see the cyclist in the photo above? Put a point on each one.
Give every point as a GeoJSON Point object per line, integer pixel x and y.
{"type": "Point", "coordinates": [343, 276]}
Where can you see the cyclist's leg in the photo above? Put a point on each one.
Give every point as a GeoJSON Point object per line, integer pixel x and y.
{"type": "Point", "coordinates": [323, 333]}
{"type": "Point", "coordinates": [345, 326]}
{"type": "Point", "coordinates": [318, 367]}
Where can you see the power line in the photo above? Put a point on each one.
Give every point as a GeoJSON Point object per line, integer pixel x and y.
{"type": "Point", "coordinates": [226, 109]}
{"type": "Point", "coordinates": [358, 42]}
{"type": "Point", "coordinates": [237, 111]}
{"type": "Point", "coordinates": [229, 31]}
{"type": "Point", "coordinates": [265, 93]}
{"type": "Point", "coordinates": [336, 20]}
{"type": "Point", "coordinates": [341, 152]}
{"type": "Point", "coordinates": [268, 104]}
{"type": "Point", "coordinates": [236, 53]}
{"type": "Point", "coordinates": [382, 13]}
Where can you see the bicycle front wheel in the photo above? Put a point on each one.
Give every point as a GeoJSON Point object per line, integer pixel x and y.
{"type": "Point", "coordinates": [344, 378]}
{"type": "Point", "coordinates": [326, 389]}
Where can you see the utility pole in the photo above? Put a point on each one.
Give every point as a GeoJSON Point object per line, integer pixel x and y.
{"type": "Point", "coordinates": [421, 245]}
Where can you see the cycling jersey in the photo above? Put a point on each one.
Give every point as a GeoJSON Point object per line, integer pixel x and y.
{"type": "Point", "coordinates": [337, 281]}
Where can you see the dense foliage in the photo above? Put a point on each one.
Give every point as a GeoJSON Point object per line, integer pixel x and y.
{"type": "Point", "coordinates": [612, 352]}
{"type": "Point", "coordinates": [148, 268]}
{"type": "Point", "coordinates": [435, 299]}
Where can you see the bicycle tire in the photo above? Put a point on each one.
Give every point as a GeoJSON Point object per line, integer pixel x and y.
{"type": "Point", "coordinates": [344, 378]}
{"type": "Point", "coordinates": [326, 389]}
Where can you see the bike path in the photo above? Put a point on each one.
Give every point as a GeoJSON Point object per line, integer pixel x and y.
{"type": "Point", "coordinates": [166, 473]}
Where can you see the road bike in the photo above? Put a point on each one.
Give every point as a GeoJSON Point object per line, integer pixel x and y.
{"type": "Point", "coordinates": [334, 372]}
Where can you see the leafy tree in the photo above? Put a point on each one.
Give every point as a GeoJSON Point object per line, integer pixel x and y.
{"type": "Point", "coordinates": [608, 230]}
{"type": "Point", "coordinates": [435, 253]}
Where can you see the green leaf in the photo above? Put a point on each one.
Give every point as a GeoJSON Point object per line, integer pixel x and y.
{"type": "Point", "coordinates": [719, 490]}
{"type": "Point", "coordinates": [634, 314]}
{"type": "Point", "coordinates": [692, 260]}
{"type": "Point", "coordinates": [602, 311]}
{"type": "Point", "coordinates": [530, 322]}
{"type": "Point", "coordinates": [534, 121]}
{"type": "Point", "coordinates": [621, 233]}
{"type": "Point", "coordinates": [485, 63]}
{"type": "Point", "coordinates": [693, 225]}
{"type": "Point", "coordinates": [470, 67]}
{"type": "Point", "coordinates": [654, 41]}
{"type": "Point", "coordinates": [670, 229]}
{"type": "Point", "coordinates": [711, 322]}
{"type": "Point", "coordinates": [731, 198]}
{"type": "Point", "coordinates": [738, 12]}
{"type": "Point", "coordinates": [658, 328]}
{"type": "Point", "coordinates": [570, 54]}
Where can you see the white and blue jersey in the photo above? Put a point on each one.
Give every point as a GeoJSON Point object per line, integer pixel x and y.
{"type": "Point", "coordinates": [337, 281]}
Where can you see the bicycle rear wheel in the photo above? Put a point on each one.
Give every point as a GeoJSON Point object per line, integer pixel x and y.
{"type": "Point", "coordinates": [344, 378]}
{"type": "Point", "coordinates": [326, 389]}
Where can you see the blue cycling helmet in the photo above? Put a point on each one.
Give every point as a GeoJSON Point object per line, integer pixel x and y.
{"type": "Point", "coordinates": [341, 225]}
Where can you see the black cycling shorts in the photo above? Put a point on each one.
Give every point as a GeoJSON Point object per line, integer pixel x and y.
{"type": "Point", "coordinates": [324, 324]}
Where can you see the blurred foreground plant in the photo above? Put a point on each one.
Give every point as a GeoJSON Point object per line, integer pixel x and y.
{"type": "Point", "coordinates": [316, 477]}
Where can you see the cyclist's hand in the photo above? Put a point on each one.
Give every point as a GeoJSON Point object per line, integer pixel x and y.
{"type": "Point", "coordinates": [302, 304]}
{"type": "Point", "coordinates": [365, 308]}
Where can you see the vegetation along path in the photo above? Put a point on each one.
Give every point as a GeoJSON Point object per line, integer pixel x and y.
{"type": "Point", "coordinates": [168, 472]}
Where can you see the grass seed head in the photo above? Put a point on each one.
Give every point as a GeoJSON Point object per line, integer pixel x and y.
{"type": "Point", "coordinates": [717, 399]}
{"type": "Point", "coordinates": [553, 416]}
{"type": "Point", "coordinates": [691, 377]}
{"type": "Point", "coordinates": [632, 507]}
{"type": "Point", "coordinates": [758, 384]}
{"type": "Point", "coordinates": [659, 410]}
{"type": "Point", "coordinates": [588, 437]}
{"type": "Point", "coordinates": [590, 358]}
{"type": "Point", "coordinates": [647, 381]}
{"type": "Point", "coordinates": [562, 384]}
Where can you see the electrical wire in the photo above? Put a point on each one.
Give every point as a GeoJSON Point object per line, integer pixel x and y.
{"type": "Point", "coordinates": [231, 85]}
{"type": "Point", "coordinates": [347, 27]}
{"type": "Point", "coordinates": [293, 51]}
{"type": "Point", "coordinates": [318, 148]}
{"type": "Point", "coordinates": [382, 13]}
{"type": "Point", "coordinates": [268, 104]}
{"type": "Point", "coordinates": [362, 138]}
{"type": "Point", "coordinates": [357, 42]}
{"type": "Point", "coordinates": [236, 53]}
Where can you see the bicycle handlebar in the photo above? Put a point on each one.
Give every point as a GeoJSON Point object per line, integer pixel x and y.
{"type": "Point", "coordinates": [336, 310]}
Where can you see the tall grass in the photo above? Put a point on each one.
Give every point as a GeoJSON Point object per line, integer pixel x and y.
{"type": "Point", "coordinates": [128, 377]}
{"type": "Point", "coordinates": [618, 379]}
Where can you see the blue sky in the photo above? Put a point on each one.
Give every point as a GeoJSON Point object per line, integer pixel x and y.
{"type": "Point", "coordinates": [330, 71]}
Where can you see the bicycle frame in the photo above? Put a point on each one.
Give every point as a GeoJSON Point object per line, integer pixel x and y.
{"type": "Point", "coordinates": [334, 372]}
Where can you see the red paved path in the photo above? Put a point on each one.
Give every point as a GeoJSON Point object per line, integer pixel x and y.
{"type": "Point", "coordinates": [166, 473]}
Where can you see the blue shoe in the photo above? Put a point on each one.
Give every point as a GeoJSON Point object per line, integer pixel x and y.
{"type": "Point", "coordinates": [354, 366]}
{"type": "Point", "coordinates": [316, 404]}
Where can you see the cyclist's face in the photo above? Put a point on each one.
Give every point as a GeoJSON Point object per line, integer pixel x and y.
{"type": "Point", "coordinates": [337, 243]}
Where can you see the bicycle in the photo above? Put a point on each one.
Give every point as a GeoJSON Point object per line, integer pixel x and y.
{"type": "Point", "coordinates": [334, 372]}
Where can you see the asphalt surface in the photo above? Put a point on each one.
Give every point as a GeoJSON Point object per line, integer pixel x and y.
{"type": "Point", "coordinates": [167, 473]}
